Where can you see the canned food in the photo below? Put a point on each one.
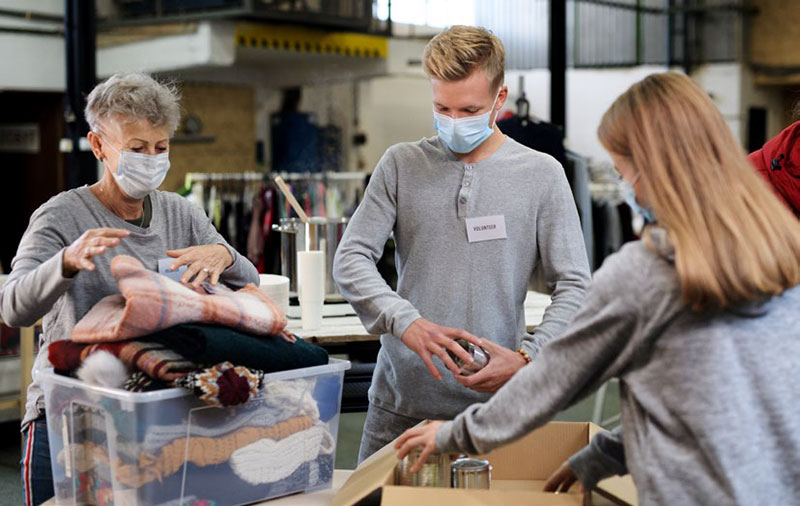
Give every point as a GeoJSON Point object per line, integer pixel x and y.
{"type": "Point", "coordinates": [479, 355]}
{"type": "Point", "coordinates": [471, 473]}
{"type": "Point", "coordinates": [435, 472]}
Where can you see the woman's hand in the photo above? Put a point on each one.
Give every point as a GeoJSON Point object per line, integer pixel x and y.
{"type": "Point", "coordinates": [205, 262]}
{"type": "Point", "coordinates": [78, 255]}
{"type": "Point", "coordinates": [424, 436]}
{"type": "Point", "coordinates": [561, 480]}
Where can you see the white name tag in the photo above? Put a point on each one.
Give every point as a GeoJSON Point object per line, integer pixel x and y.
{"type": "Point", "coordinates": [487, 228]}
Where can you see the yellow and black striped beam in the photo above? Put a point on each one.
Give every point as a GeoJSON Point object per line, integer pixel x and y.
{"type": "Point", "coordinates": [309, 40]}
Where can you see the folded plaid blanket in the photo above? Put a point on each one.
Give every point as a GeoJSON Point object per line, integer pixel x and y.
{"type": "Point", "coordinates": [150, 302]}
{"type": "Point", "coordinates": [154, 359]}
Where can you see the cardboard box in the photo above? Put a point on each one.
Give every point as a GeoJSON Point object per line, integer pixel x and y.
{"type": "Point", "coordinates": [519, 471]}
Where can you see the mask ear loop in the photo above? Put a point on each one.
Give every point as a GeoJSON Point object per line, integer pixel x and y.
{"type": "Point", "coordinates": [492, 122]}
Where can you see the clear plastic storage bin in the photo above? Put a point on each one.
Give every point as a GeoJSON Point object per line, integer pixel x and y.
{"type": "Point", "coordinates": [111, 446]}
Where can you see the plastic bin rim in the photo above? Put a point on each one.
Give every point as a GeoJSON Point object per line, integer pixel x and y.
{"type": "Point", "coordinates": [48, 374]}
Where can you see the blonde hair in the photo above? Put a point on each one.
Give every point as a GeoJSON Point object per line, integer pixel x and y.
{"type": "Point", "coordinates": [734, 241]}
{"type": "Point", "coordinates": [456, 52]}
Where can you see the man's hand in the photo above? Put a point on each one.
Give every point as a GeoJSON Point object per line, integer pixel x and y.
{"type": "Point", "coordinates": [503, 363]}
{"type": "Point", "coordinates": [426, 339]}
{"type": "Point", "coordinates": [561, 480]}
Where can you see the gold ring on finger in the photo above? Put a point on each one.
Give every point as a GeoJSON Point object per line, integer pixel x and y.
{"type": "Point", "coordinates": [205, 269]}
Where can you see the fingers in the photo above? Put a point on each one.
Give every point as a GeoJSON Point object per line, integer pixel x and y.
{"type": "Point", "coordinates": [566, 483]}
{"type": "Point", "coordinates": [463, 334]}
{"type": "Point", "coordinates": [86, 264]}
{"type": "Point", "coordinates": [201, 276]}
{"type": "Point", "coordinates": [483, 381]}
{"type": "Point", "coordinates": [175, 253]}
{"type": "Point", "coordinates": [457, 350]}
{"type": "Point", "coordinates": [214, 277]}
{"type": "Point", "coordinates": [445, 358]}
{"type": "Point", "coordinates": [190, 273]}
{"type": "Point", "coordinates": [108, 232]}
{"type": "Point", "coordinates": [183, 259]}
{"type": "Point", "coordinates": [426, 451]}
{"type": "Point", "coordinates": [108, 242]}
{"type": "Point", "coordinates": [426, 357]}
{"type": "Point", "coordinates": [474, 379]}
{"type": "Point", "coordinates": [405, 436]}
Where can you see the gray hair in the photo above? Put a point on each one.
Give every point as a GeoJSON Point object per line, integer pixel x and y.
{"type": "Point", "coordinates": [134, 96]}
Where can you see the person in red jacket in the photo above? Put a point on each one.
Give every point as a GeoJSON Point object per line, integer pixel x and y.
{"type": "Point", "coordinates": [779, 162]}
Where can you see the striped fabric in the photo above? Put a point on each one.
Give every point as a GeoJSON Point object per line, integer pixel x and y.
{"type": "Point", "coordinates": [150, 302]}
{"type": "Point", "coordinates": [155, 360]}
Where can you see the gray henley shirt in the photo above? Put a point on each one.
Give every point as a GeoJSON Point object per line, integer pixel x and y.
{"type": "Point", "coordinates": [424, 194]}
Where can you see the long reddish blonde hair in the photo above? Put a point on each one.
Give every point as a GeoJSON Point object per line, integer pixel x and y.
{"type": "Point", "coordinates": [734, 241]}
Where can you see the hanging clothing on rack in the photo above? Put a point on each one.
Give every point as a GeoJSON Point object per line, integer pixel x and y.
{"type": "Point", "coordinates": [583, 199]}
{"type": "Point", "coordinates": [537, 135]}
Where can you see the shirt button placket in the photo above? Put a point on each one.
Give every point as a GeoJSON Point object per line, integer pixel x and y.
{"type": "Point", "coordinates": [463, 194]}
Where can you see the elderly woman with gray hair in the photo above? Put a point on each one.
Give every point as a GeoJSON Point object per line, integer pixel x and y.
{"type": "Point", "coordinates": [62, 266]}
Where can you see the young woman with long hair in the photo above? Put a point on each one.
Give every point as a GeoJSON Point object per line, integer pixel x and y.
{"type": "Point", "coordinates": [699, 320]}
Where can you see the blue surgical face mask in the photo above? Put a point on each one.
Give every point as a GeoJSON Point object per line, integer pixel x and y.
{"type": "Point", "coordinates": [463, 135]}
{"type": "Point", "coordinates": [630, 199]}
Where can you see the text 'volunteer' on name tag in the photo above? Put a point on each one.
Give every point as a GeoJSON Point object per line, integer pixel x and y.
{"type": "Point", "coordinates": [486, 228]}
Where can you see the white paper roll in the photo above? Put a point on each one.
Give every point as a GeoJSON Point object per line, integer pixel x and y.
{"type": "Point", "coordinates": [311, 313]}
{"type": "Point", "coordinates": [276, 288]}
{"type": "Point", "coordinates": [311, 275]}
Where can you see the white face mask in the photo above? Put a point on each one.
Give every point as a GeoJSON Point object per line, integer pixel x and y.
{"type": "Point", "coordinates": [138, 174]}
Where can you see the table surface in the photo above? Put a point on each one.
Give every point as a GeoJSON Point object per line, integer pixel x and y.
{"type": "Point", "coordinates": [341, 325]}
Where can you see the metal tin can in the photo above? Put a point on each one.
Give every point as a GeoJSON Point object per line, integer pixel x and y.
{"type": "Point", "coordinates": [471, 473]}
{"type": "Point", "coordinates": [435, 472]}
{"type": "Point", "coordinates": [480, 355]}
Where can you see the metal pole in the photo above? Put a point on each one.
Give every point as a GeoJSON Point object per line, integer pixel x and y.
{"type": "Point", "coordinates": [687, 34]}
{"type": "Point", "coordinates": [79, 38]}
{"type": "Point", "coordinates": [558, 63]}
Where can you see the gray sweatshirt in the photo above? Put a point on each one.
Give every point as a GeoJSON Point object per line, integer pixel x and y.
{"type": "Point", "coordinates": [709, 401]}
{"type": "Point", "coordinates": [602, 458]}
{"type": "Point", "coordinates": [425, 195]}
{"type": "Point", "coordinates": [37, 288]}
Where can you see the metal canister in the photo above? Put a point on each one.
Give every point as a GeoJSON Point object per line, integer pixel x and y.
{"type": "Point", "coordinates": [471, 473]}
{"type": "Point", "coordinates": [323, 234]}
{"type": "Point", "coordinates": [435, 472]}
{"type": "Point", "coordinates": [479, 355]}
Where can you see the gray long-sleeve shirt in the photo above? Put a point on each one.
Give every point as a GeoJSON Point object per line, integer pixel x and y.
{"type": "Point", "coordinates": [36, 286]}
{"type": "Point", "coordinates": [602, 458]}
{"type": "Point", "coordinates": [709, 401]}
{"type": "Point", "coordinates": [424, 194]}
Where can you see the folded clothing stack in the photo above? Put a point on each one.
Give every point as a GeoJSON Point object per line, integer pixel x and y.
{"type": "Point", "coordinates": [219, 345]}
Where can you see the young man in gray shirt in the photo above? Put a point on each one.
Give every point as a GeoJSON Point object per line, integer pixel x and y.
{"type": "Point", "coordinates": [473, 214]}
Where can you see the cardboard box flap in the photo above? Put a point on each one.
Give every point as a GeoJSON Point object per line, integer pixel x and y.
{"type": "Point", "coordinates": [372, 474]}
{"type": "Point", "coordinates": [405, 496]}
{"type": "Point", "coordinates": [539, 453]}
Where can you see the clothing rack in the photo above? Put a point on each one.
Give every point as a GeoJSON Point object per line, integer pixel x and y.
{"type": "Point", "coordinates": [202, 177]}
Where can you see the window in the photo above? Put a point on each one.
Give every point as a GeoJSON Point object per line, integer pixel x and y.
{"type": "Point", "coordinates": [438, 13]}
